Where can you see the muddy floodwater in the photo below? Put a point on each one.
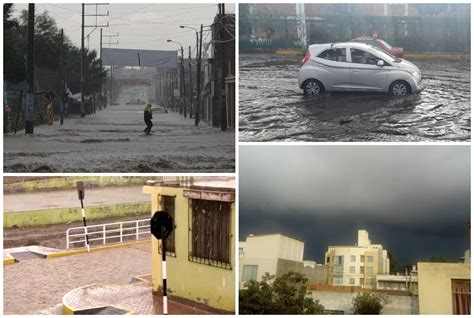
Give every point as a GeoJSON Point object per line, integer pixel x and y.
{"type": "Point", "coordinates": [273, 108]}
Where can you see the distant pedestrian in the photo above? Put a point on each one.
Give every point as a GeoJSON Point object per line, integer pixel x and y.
{"type": "Point", "coordinates": [50, 113]}
{"type": "Point", "coordinates": [147, 117]}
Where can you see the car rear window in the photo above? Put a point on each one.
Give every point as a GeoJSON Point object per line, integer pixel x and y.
{"type": "Point", "coordinates": [337, 55]}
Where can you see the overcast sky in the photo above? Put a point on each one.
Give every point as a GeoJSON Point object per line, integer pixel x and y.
{"type": "Point", "coordinates": [140, 25]}
{"type": "Point", "coordinates": [415, 200]}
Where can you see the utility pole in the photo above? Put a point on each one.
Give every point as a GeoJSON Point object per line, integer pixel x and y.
{"type": "Point", "coordinates": [111, 67]}
{"type": "Point", "coordinates": [61, 81]}
{"type": "Point", "coordinates": [30, 65]}
{"type": "Point", "coordinates": [100, 48]}
{"type": "Point", "coordinates": [223, 52]}
{"type": "Point", "coordinates": [197, 116]}
{"type": "Point", "coordinates": [101, 86]}
{"type": "Point", "coordinates": [83, 113]}
{"type": "Point", "coordinates": [190, 85]}
{"type": "Point", "coordinates": [183, 82]}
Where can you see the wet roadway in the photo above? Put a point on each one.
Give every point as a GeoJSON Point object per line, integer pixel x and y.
{"type": "Point", "coordinates": [273, 108]}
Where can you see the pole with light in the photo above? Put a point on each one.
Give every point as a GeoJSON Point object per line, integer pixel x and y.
{"type": "Point", "coordinates": [181, 86]}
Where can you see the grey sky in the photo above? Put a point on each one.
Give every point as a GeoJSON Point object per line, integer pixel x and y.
{"type": "Point", "coordinates": [140, 25]}
{"type": "Point", "coordinates": [413, 199]}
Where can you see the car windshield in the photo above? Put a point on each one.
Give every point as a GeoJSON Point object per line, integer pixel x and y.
{"type": "Point", "coordinates": [386, 55]}
{"type": "Point", "coordinates": [385, 43]}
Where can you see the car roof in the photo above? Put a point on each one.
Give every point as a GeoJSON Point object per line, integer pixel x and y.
{"type": "Point", "coordinates": [317, 48]}
{"type": "Point", "coordinates": [364, 38]}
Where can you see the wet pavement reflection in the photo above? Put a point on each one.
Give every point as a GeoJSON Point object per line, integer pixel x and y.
{"type": "Point", "coordinates": [273, 108]}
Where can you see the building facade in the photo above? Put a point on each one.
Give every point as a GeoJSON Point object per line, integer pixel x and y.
{"type": "Point", "coordinates": [276, 254]}
{"type": "Point", "coordinates": [357, 265]}
{"type": "Point", "coordinates": [444, 288]}
{"type": "Point", "coordinates": [200, 262]}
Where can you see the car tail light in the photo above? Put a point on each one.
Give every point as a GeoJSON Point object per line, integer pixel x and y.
{"type": "Point", "coordinates": [305, 59]}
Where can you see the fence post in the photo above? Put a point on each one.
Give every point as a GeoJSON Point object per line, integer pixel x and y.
{"type": "Point", "coordinates": [103, 234]}
{"type": "Point", "coordinates": [67, 239]}
{"type": "Point", "coordinates": [136, 229]}
{"type": "Point", "coordinates": [121, 237]}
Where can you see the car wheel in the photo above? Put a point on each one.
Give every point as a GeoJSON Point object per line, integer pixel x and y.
{"type": "Point", "coordinates": [399, 88]}
{"type": "Point", "coordinates": [312, 87]}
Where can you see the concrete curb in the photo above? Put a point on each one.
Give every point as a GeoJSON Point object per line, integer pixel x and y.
{"type": "Point", "coordinates": [55, 184]}
{"type": "Point", "coordinates": [68, 215]}
{"type": "Point", "coordinates": [9, 261]}
{"type": "Point", "coordinates": [94, 249]}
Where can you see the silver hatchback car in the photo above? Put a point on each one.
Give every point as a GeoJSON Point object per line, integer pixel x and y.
{"type": "Point", "coordinates": [356, 67]}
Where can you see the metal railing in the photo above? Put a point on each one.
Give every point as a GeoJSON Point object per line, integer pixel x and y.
{"type": "Point", "coordinates": [103, 234]}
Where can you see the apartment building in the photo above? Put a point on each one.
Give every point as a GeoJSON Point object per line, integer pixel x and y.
{"type": "Point", "coordinates": [276, 254]}
{"type": "Point", "coordinates": [357, 265]}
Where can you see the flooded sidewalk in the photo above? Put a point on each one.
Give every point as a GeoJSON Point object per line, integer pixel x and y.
{"type": "Point", "coordinates": [273, 108]}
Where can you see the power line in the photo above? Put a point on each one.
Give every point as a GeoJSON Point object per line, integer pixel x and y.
{"type": "Point", "coordinates": [64, 8]}
{"type": "Point", "coordinates": [162, 22]}
{"type": "Point", "coordinates": [167, 10]}
{"type": "Point", "coordinates": [135, 10]}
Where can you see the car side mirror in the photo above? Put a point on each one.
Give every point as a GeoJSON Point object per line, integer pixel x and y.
{"type": "Point", "coordinates": [380, 63]}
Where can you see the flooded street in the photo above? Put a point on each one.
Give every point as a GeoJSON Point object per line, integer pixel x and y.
{"type": "Point", "coordinates": [113, 140]}
{"type": "Point", "coordinates": [273, 108]}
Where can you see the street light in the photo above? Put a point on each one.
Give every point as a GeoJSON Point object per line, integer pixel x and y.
{"type": "Point", "coordinates": [197, 36]}
{"type": "Point", "coordinates": [182, 82]}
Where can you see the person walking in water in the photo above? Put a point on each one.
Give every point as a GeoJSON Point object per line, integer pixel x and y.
{"type": "Point", "coordinates": [147, 117]}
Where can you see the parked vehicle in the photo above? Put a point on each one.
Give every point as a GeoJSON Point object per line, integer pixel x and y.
{"type": "Point", "coordinates": [137, 101]}
{"type": "Point", "coordinates": [353, 66]}
{"type": "Point", "coordinates": [381, 44]}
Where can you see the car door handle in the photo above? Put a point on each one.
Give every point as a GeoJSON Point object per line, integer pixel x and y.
{"type": "Point", "coordinates": [355, 70]}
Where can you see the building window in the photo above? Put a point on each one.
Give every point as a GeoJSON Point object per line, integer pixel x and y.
{"type": "Point", "coordinates": [370, 259]}
{"type": "Point", "coordinates": [210, 233]}
{"type": "Point", "coordinates": [353, 258]}
{"type": "Point", "coordinates": [339, 260]}
{"type": "Point", "coordinates": [461, 290]}
{"type": "Point", "coordinates": [249, 272]}
{"type": "Point", "coordinates": [167, 203]}
{"type": "Point", "coordinates": [361, 281]}
{"type": "Point", "coordinates": [369, 281]}
{"type": "Point", "coordinates": [352, 269]}
{"type": "Point", "coordinates": [369, 270]}
{"type": "Point", "coordinates": [362, 269]}
{"type": "Point", "coordinates": [337, 280]}
{"type": "Point", "coordinates": [352, 281]}
{"type": "Point", "coordinates": [328, 259]}
{"type": "Point", "coordinates": [362, 258]}
{"type": "Point", "coordinates": [241, 252]}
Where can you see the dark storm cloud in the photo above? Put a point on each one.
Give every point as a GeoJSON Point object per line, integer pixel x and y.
{"type": "Point", "coordinates": [413, 199]}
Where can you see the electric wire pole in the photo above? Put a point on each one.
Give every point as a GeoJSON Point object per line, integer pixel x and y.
{"type": "Point", "coordinates": [30, 71]}
{"type": "Point", "coordinates": [62, 80]}
{"type": "Point", "coordinates": [83, 113]}
{"type": "Point", "coordinates": [196, 119]}
{"type": "Point", "coordinates": [190, 85]}
{"type": "Point", "coordinates": [183, 82]}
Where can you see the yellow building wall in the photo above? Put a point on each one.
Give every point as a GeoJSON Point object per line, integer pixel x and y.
{"type": "Point", "coordinates": [434, 286]}
{"type": "Point", "coordinates": [375, 269]}
{"type": "Point", "coordinates": [209, 285]}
